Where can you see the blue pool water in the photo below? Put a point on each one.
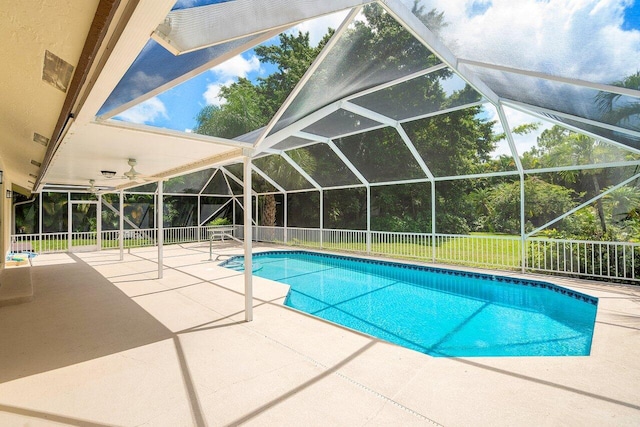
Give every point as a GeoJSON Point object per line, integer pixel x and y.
{"type": "Point", "coordinates": [435, 311]}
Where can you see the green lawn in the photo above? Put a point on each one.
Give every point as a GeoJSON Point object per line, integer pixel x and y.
{"type": "Point", "coordinates": [476, 250]}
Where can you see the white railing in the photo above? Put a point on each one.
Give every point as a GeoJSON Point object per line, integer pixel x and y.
{"type": "Point", "coordinates": [182, 234]}
{"type": "Point", "coordinates": [132, 238]}
{"type": "Point", "coordinates": [40, 243]}
{"type": "Point", "coordinates": [502, 252]}
{"type": "Point", "coordinates": [269, 234]}
{"type": "Point", "coordinates": [84, 241]}
{"type": "Point", "coordinates": [403, 245]}
{"type": "Point", "coordinates": [309, 237]}
{"type": "Point", "coordinates": [595, 259]}
{"type": "Point", "coordinates": [345, 240]}
{"type": "Point", "coordinates": [610, 260]}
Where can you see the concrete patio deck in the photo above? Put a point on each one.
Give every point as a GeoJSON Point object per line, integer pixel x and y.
{"type": "Point", "coordinates": [105, 343]}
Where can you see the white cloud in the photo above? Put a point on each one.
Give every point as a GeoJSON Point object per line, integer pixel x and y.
{"type": "Point", "coordinates": [317, 28]}
{"type": "Point", "coordinates": [212, 94]}
{"type": "Point", "coordinates": [574, 38]}
{"type": "Point", "coordinates": [227, 73]}
{"type": "Point", "coordinates": [238, 66]}
{"type": "Point", "coordinates": [144, 113]}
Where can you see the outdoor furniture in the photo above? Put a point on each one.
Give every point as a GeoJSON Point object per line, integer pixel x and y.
{"type": "Point", "coordinates": [219, 233]}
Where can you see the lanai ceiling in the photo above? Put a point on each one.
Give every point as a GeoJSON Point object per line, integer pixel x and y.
{"type": "Point", "coordinates": [135, 50]}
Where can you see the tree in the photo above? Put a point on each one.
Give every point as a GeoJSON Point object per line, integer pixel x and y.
{"type": "Point", "coordinates": [373, 50]}
{"type": "Point", "coordinates": [561, 147]}
{"type": "Point", "coordinates": [544, 202]}
{"type": "Point", "coordinates": [615, 110]}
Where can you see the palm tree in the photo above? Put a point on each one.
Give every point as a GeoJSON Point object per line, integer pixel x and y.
{"type": "Point", "coordinates": [284, 174]}
{"type": "Point", "coordinates": [627, 113]}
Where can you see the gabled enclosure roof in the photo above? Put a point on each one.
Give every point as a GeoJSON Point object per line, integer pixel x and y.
{"type": "Point", "coordinates": [565, 69]}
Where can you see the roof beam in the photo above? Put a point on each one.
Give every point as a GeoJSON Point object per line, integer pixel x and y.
{"type": "Point", "coordinates": [182, 136]}
{"type": "Point", "coordinates": [365, 112]}
{"type": "Point", "coordinates": [301, 171]}
{"type": "Point", "coordinates": [307, 75]}
{"type": "Point", "coordinates": [267, 178]}
{"type": "Point", "coordinates": [348, 163]}
{"type": "Point", "coordinates": [234, 178]}
{"type": "Point", "coordinates": [296, 127]}
{"type": "Point", "coordinates": [403, 15]}
{"type": "Point", "coordinates": [414, 152]}
{"type": "Point", "coordinates": [576, 82]}
{"type": "Point", "coordinates": [536, 112]}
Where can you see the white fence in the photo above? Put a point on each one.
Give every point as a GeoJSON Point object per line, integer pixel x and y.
{"type": "Point", "coordinates": [594, 259]}
{"type": "Point", "coordinates": [607, 260]}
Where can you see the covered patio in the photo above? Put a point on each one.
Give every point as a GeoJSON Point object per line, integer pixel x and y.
{"type": "Point", "coordinates": [107, 343]}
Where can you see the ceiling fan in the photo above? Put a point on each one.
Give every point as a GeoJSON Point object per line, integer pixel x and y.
{"type": "Point", "coordinates": [133, 175]}
{"type": "Point", "coordinates": [96, 190]}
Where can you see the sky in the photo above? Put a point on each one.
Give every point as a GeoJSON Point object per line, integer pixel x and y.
{"type": "Point", "coordinates": [178, 107]}
{"type": "Point", "coordinates": [594, 40]}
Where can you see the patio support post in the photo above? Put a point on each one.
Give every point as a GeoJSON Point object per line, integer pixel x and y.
{"type": "Point", "coordinates": [69, 223]}
{"type": "Point", "coordinates": [286, 217]}
{"type": "Point", "coordinates": [40, 221]}
{"type": "Point", "coordinates": [199, 220]}
{"type": "Point", "coordinates": [99, 223]}
{"type": "Point", "coordinates": [248, 264]}
{"type": "Point", "coordinates": [321, 216]}
{"type": "Point", "coordinates": [523, 236]}
{"type": "Point", "coordinates": [121, 225]}
{"type": "Point", "coordinates": [433, 221]}
{"type": "Point", "coordinates": [368, 219]}
{"type": "Point", "coordinates": [160, 227]}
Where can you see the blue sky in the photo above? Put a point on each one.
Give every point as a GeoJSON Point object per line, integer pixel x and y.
{"type": "Point", "coordinates": [632, 17]}
{"type": "Point", "coordinates": [177, 108]}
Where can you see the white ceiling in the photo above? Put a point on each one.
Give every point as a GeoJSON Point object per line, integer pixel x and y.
{"type": "Point", "coordinates": [91, 148]}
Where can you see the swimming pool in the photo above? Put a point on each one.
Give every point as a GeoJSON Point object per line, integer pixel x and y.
{"type": "Point", "coordinates": [436, 311]}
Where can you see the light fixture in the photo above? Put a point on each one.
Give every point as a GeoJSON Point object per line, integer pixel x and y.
{"type": "Point", "coordinates": [1, 177]}
{"type": "Point", "coordinates": [108, 174]}
{"type": "Point", "coordinates": [9, 194]}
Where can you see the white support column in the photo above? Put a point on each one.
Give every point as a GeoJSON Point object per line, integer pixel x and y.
{"type": "Point", "coordinates": [121, 225]}
{"type": "Point", "coordinates": [286, 217]}
{"type": "Point", "coordinates": [321, 217]}
{"type": "Point", "coordinates": [233, 210]}
{"type": "Point", "coordinates": [199, 219]}
{"type": "Point", "coordinates": [248, 260]}
{"type": "Point", "coordinates": [368, 219]}
{"type": "Point", "coordinates": [69, 223]}
{"type": "Point", "coordinates": [99, 223]}
{"type": "Point", "coordinates": [257, 215]}
{"type": "Point", "coordinates": [433, 221]}
{"type": "Point", "coordinates": [523, 236]}
{"type": "Point", "coordinates": [160, 227]}
{"type": "Point", "coordinates": [40, 219]}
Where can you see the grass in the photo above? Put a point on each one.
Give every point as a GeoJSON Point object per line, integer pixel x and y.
{"type": "Point", "coordinates": [61, 245]}
{"type": "Point", "coordinates": [476, 250]}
